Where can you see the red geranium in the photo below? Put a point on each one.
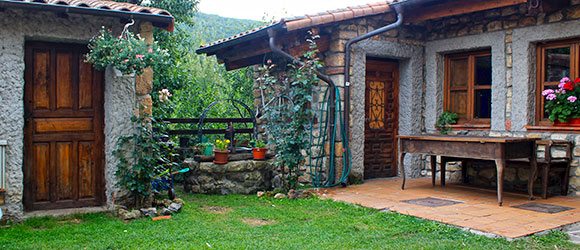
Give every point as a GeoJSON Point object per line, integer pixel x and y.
{"type": "Point", "coordinates": [577, 80]}
{"type": "Point", "coordinates": [569, 86]}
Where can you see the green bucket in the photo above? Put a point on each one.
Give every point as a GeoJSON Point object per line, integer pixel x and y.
{"type": "Point", "coordinates": [207, 150]}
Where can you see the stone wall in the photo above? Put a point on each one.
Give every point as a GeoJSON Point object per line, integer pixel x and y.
{"type": "Point", "coordinates": [404, 44]}
{"type": "Point", "coordinates": [512, 35]}
{"type": "Point", "coordinates": [19, 26]}
{"type": "Point", "coordinates": [234, 177]}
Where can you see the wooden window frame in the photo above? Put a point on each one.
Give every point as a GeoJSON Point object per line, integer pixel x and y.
{"type": "Point", "coordinates": [471, 87]}
{"type": "Point", "coordinates": [574, 45]}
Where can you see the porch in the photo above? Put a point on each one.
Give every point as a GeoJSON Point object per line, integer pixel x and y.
{"type": "Point", "coordinates": [463, 205]}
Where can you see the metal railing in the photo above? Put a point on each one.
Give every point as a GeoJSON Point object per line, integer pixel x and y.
{"type": "Point", "coordinates": [246, 117]}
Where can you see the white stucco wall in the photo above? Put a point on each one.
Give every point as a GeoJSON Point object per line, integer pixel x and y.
{"type": "Point", "coordinates": [19, 26]}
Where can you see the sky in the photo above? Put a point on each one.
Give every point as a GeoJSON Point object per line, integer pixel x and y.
{"type": "Point", "coordinates": [273, 9]}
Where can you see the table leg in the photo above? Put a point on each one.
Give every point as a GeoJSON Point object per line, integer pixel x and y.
{"type": "Point", "coordinates": [442, 172]}
{"type": "Point", "coordinates": [401, 163]}
{"type": "Point", "coordinates": [500, 164]}
{"type": "Point", "coordinates": [533, 175]}
{"type": "Point", "coordinates": [433, 160]}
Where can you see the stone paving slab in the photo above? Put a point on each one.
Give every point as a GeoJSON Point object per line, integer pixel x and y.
{"type": "Point", "coordinates": [476, 208]}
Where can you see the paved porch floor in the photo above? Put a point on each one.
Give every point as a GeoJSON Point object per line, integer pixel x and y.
{"type": "Point", "coordinates": [475, 208]}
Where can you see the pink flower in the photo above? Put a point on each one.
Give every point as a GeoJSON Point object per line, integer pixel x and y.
{"type": "Point", "coordinates": [126, 60]}
{"type": "Point", "coordinates": [572, 98]}
{"type": "Point", "coordinates": [561, 85]}
{"type": "Point", "coordinates": [550, 97]}
{"type": "Point", "coordinates": [547, 92]}
{"type": "Point", "coordinates": [565, 79]}
{"type": "Point", "coordinates": [150, 50]}
{"type": "Point", "coordinates": [139, 56]}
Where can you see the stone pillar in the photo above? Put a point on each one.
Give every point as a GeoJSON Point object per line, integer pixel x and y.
{"type": "Point", "coordinates": [144, 82]}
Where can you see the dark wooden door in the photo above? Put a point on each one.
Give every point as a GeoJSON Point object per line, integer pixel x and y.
{"type": "Point", "coordinates": [381, 118]}
{"type": "Point", "coordinates": [63, 132]}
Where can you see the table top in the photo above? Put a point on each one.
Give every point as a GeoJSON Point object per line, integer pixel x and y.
{"type": "Point", "coordinates": [463, 138]}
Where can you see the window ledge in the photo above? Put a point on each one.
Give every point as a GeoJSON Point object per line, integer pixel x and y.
{"type": "Point", "coordinates": [553, 129]}
{"type": "Point", "coordinates": [471, 126]}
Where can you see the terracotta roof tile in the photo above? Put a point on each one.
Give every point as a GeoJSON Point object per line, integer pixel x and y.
{"type": "Point", "coordinates": [105, 5]}
{"type": "Point", "coordinates": [331, 16]}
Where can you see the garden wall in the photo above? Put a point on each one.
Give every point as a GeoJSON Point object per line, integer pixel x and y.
{"type": "Point", "coordinates": [234, 177]}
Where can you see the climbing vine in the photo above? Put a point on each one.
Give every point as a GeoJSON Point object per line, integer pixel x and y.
{"type": "Point", "coordinates": [289, 116]}
{"type": "Point", "coordinates": [144, 153]}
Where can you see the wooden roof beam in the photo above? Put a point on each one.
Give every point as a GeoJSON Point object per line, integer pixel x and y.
{"type": "Point", "coordinates": [452, 8]}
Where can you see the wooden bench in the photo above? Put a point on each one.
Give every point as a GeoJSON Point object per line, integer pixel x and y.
{"type": "Point", "coordinates": [550, 163]}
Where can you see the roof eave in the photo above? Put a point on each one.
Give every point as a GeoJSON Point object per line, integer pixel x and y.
{"type": "Point", "coordinates": [210, 50]}
{"type": "Point", "coordinates": [161, 21]}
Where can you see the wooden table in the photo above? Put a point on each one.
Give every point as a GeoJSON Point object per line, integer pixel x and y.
{"type": "Point", "coordinates": [498, 149]}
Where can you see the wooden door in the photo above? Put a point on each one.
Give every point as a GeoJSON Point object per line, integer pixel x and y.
{"type": "Point", "coordinates": [63, 132]}
{"type": "Point", "coordinates": [381, 118]}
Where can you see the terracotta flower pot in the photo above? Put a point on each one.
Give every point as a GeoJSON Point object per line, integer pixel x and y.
{"type": "Point", "coordinates": [572, 122]}
{"type": "Point", "coordinates": [259, 153]}
{"type": "Point", "coordinates": [221, 157]}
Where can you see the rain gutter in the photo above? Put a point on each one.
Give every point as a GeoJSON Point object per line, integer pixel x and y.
{"type": "Point", "coordinates": [167, 21]}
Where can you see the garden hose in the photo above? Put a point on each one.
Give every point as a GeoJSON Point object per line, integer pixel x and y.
{"type": "Point", "coordinates": [316, 168]}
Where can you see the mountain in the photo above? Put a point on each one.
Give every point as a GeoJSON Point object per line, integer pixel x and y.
{"type": "Point", "coordinates": [209, 28]}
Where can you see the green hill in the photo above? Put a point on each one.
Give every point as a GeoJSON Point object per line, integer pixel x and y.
{"type": "Point", "coordinates": [209, 28]}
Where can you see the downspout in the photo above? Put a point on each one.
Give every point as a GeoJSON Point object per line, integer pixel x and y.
{"type": "Point", "coordinates": [321, 76]}
{"type": "Point", "coordinates": [399, 11]}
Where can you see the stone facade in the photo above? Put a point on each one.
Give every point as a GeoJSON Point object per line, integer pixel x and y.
{"type": "Point", "coordinates": [511, 34]}
{"type": "Point", "coordinates": [234, 177]}
{"type": "Point", "coordinates": [19, 26]}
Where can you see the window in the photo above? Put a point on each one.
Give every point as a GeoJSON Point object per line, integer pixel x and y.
{"type": "Point", "coordinates": [555, 60]}
{"type": "Point", "coordinates": [468, 86]}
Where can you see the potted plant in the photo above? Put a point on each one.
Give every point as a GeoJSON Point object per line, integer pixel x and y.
{"type": "Point", "coordinates": [561, 103]}
{"type": "Point", "coordinates": [259, 150]}
{"type": "Point", "coordinates": [446, 119]}
{"type": "Point", "coordinates": [221, 151]}
{"type": "Point", "coordinates": [127, 53]}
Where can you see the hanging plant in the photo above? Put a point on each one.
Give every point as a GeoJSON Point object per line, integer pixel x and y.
{"type": "Point", "coordinates": [128, 53]}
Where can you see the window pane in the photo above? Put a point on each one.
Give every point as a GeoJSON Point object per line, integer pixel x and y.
{"type": "Point", "coordinates": [459, 73]}
{"type": "Point", "coordinates": [482, 102]}
{"type": "Point", "coordinates": [458, 101]}
{"type": "Point", "coordinates": [377, 104]}
{"type": "Point", "coordinates": [557, 64]}
{"type": "Point", "coordinates": [483, 70]}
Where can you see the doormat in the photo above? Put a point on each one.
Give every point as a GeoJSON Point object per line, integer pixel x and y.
{"type": "Point", "coordinates": [432, 202]}
{"type": "Point", "coordinates": [543, 208]}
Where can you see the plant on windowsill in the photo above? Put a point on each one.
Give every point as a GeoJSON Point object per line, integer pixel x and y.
{"type": "Point", "coordinates": [127, 53]}
{"type": "Point", "coordinates": [221, 151]}
{"type": "Point", "coordinates": [562, 104]}
{"type": "Point", "coordinates": [259, 149]}
{"type": "Point", "coordinates": [445, 120]}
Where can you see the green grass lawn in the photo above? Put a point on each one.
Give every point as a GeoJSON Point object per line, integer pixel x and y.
{"type": "Point", "coordinates": [248, 222]}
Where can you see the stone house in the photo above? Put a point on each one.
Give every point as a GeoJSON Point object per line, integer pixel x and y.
{"type": "Point", "coordinates": [59, 117]}
{"type": "Point", "coordinates": [487, 61]}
